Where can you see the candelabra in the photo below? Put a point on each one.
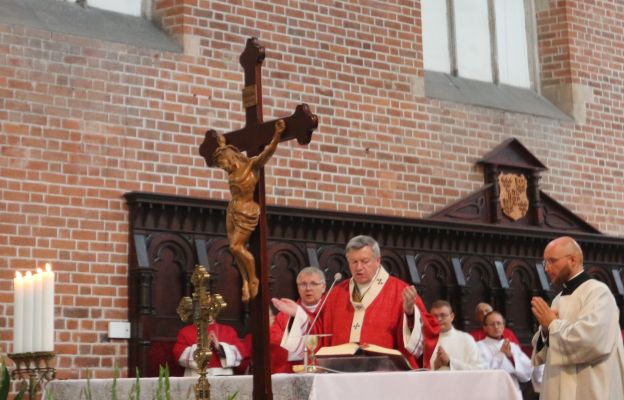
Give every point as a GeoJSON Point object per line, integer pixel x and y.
{"type": "Point", "coordinates": [34, 368]}
{"type": "Point", "coordinates": [202, 309]}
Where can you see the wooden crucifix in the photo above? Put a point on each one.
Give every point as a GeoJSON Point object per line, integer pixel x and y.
{"type": "Point", "coordinates": [259, 139]}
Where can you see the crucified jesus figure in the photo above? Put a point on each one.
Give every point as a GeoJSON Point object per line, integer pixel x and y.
{"type": "Point", "coordinates": [242, 211]}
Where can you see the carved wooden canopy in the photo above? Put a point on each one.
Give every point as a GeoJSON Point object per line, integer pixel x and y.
{"type": "Point", "coordinates": [469, 252]}
{"type": "Point", "coordinates": [512, 159]}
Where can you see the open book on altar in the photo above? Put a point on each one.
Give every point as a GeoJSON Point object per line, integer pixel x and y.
{"type": "Point", "coordinates": [361, 357]}
{"type": "Point", "coordinates": [352, 349]}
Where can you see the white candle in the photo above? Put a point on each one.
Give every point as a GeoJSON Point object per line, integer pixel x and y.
{"type": "Point", "coordinates": [18, 313]}
{"type": "Point", "coordinates": [38, 302]}
{"type": "Point", "coordinates": [29, 310]}
{"type": "Point", "coordinates": [47, 325]}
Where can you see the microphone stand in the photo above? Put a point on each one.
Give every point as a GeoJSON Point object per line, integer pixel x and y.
{"type": "Point", "coordinates": [306, 336]}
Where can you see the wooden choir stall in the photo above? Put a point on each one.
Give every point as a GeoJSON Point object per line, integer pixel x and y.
{"type": "Point", "coordinates": [479, 248]}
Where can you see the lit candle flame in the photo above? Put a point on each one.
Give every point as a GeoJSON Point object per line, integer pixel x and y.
{"type": "Point", "coordinates": [18, 275]}
{"type": "Point", "coordinates": [48, 267]}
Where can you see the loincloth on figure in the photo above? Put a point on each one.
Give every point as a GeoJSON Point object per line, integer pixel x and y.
{"type": "Point", "coordinates": [244, 215]}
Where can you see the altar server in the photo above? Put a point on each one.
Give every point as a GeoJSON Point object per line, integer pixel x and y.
{"type": "Point", "coordinates": [456, 350]}
{"type": "Point", "coordinates": [579, 338]}
{"type": "Point", "coordinates": [481, 310]}
{"type": "Point", "coordinates": [497, 352]}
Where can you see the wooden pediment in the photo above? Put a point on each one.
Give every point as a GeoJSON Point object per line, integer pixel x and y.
{"type": "Point", "coordinates": [512, 154]}
{"type": "Point", "coordinates": [511, 196]}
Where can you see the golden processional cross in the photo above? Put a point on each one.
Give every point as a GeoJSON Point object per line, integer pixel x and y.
{"type": "Point", "coordinates": [201, 310]}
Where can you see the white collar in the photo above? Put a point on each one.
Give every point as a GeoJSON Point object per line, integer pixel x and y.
{"type": "Point", "coordinates": [449, 332]}
{"type": "Point", "coordinates": [311, 308]}
{"type": "Point", "coordinates": [363, 286]}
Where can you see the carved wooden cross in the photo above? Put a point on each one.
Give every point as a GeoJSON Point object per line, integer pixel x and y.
{"type": "Point", "coordinates": [253, 138]}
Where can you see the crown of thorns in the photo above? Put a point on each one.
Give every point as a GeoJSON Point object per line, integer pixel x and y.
{"type": "Point", "coordinates": [222, 149]}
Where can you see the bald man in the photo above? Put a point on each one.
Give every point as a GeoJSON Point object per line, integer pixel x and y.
{"type": "Point", "coordinates": [579, 337]}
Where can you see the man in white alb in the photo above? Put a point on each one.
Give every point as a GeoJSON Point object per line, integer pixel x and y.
{"type": "Point", "coordinates": [499, 353]}
{"type": "Point", "coordinates": [456, 350]}
{"type": "Point", "coordinates": [579, 338]}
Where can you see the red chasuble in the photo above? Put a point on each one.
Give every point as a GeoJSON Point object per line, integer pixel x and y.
{"type": "Point", "coordinates": [226, 334]}
{"type": "Point", "coordinates": [383, 320]}
{"type": "Point", "coordinates": [279, 356]}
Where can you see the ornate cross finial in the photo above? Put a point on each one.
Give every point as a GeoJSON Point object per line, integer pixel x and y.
{"type": "Point", "coordinates": [202, 308]}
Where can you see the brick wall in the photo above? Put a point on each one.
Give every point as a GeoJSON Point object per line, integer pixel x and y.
{"type": "Point", "coordinates": [84, 121]}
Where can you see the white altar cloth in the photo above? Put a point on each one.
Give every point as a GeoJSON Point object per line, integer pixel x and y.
{"type": "Point", "coordinates": [434, 385]}
{"type": "Point", "coordinates": [437, 385]}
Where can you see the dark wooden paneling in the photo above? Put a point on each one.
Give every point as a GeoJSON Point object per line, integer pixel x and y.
{"type": "Point", "coordinates": [463, 262]}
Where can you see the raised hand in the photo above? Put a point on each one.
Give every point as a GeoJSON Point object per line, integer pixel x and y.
{"type": "Point", "coordinates": [280, 127]}
{"type": "Point", "coordinates": [285, 305]}
{"type": "Point", "coordinates": [543, 313]}
{"type": "Point", "coordinates": [213, 340]}
{"type": "Point", "coordinates": [409, 299]}
{"type": "Point", "coordinates": [442, 359]}
{"type": "Point", "coordinates": [506, 349]}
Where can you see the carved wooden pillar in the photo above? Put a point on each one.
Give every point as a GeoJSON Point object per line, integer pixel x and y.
{"type": "Point", "coordinates": [536, 209]}
{"type": "Point", "coordinates": [462, 292]}
{"type": "Point", "coordinates": [502, 293]}
{"type": "Point", "coordinates": [144, 309]}
{"type": "Point", "coordinates": [492, 178]}
{"type": "Point", "coordinates": [420, 286]}
{"type": "Point", "coordinates": [619, 285]}
{"type": "Point", "coordinates": [145, 278]}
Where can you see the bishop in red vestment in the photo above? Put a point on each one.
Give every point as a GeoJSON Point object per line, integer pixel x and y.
{"type": "Point", "coordinates": [372, 307]}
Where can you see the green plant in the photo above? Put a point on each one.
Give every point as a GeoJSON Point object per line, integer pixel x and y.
{"type": "Point", "coordinates": [114, 388]}
{"type": "Point", "coordinates": [163, 391]}
{"type": "Point", "coordinates": [86, 391]}
{"type": "Point", "coordinates": [167, 382]}
{"type": "Point", "coordinates": [233, 396]}
{"type": "Point", "coordinates": [135, 392]}
{"type": "Point", "coordinates": [22, 392]}
{"type": "Point", "coordinates": [5, 381]}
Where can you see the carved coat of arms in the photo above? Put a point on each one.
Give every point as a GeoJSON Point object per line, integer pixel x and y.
{"type": "Point", "coordinates": [513, 195]}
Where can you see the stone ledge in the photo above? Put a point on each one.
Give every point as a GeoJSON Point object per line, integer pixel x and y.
{"type": "Point", "coordinates": [503, 97]}
{"type": "Point", "coordinates": [64, 17]}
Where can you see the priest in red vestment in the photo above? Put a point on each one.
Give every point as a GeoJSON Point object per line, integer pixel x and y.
{"type": "Point", "coordinates": [227, 349]}
{"type": "Point", "coordinates": [370, 308]}
{"type": "Point", "coordinates": [311, 286]}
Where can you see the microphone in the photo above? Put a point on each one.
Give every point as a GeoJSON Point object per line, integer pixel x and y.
{"type": "Point", "coordinates": [309, 345]}
{"type": "Point", "coordinates": [337, 277]}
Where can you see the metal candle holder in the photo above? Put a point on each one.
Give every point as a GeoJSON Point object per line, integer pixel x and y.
{"type": "Point", "coordinates": [34, 367]}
